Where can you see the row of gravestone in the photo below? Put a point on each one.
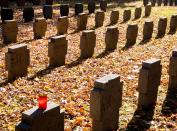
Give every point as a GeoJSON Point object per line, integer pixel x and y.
{"type": "Point", "coordinates": [40, 25]}
{"type": "Point", "coordinates": [17, 59]}
{"type": "Point", "coordinates": [160, 2]}
{"type": "Point", "coordinates": [105, 100]}
{"type": "Point", "coordinates": [28, 12]}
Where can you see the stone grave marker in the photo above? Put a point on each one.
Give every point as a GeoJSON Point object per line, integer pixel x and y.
{"type": "Point", "coordinates": [173, 23]}
{"type": "Point", "coordinates": [148, 29]}
{"type": "Point", "coordinates": [114, 17]}
{"type": "Point", "coordinates": [79, 8]}
{"type": "Point", "coordinates": [57, 50]}
{"type": "Point", "coordinates": [91, 7]}
{"type": "Point", "coordinates": [127, 15]}
{"type": "Point", "coordinates": [87, 43]}
{"type": "Point", "coordinates": [103, 5]}
{"type": "Point", "coordinates": [9, 31]}
{"type": "Point", "coordinates": [149, 81]}
{"type": "Point", "coordinates": [82, 21]}
{"type": "Point", "coordinates": [132, 33]}
{"type": "Point", "coordinates": [138, 12]}
{"type": "Point", "coordinates": [64, 9]}
{"type": "Point", "coordinates": [165, 2]}
{"type": "Point", "coordinates": [17, 60]}
{"type": "Point", "coordinates": [50, 119]}
{"type": "Point", "coordinates": [48, 11]}
{"type": "Point", "coordinates": [162, 25]}
{"type": "Point", "coordinates": [6, 14]}
{"type": "Point", "coordinates": [28, 14]}
{"type": "Point", "coordinates": [148, 10]}
{"type": "Point", "coordinates": [62, 25]}
{"type": "Point", "coordinates": [111, 38]}
{"type": "Point", "coordinates": [99, 18]}
{"type": "Point", "coordinates": [145, 2]}
{"type": "Point", "coordinates": [39, 28]}
{"type": "Point", "coordinates": [159, 2]}
{"type": "Point", "coordinates": [105, 102]}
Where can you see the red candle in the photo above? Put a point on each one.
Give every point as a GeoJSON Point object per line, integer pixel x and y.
{"type": "Point", "coordinates": [42, 102]}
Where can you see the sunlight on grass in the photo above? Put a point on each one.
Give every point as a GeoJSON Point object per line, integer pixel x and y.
{"type": "Point", "coordinates": [164, 11]}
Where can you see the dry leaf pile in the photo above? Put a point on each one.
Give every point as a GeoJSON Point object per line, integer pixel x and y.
{"type": "Point", "coordinates": [70, 85]}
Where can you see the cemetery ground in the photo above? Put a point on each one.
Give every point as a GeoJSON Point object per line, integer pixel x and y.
{"type": "Point", "coordinates": [70, 85]}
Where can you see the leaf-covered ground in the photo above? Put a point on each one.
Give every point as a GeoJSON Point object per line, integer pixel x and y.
{"type": "Point", "coordinates": [70, 85]}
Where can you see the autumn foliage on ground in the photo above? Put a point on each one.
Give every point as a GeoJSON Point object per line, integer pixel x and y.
{"type": "Point", "coordinates": [70, 85]}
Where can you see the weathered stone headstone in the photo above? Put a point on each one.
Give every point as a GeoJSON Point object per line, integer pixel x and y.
{"type": "Point", "coordinates": [173, 23]}
{"type": "Point", "coordinates": [87, 43]}
{"type": "Point", "coordinates": [148, 29]}
{"type": "Point", "coordinates": [145, 2]}
{"type": "Point", "coordinates": [6, 14]}
{"type": "Point", "coordinates": [173, 71]}
{"type": "Point", "coordinates": [62, 25]}
{"type": "Point", "coordinates": [132, 33]}
{"type": "Point", "coordinates": [79, 8]}
{"type": "Point", "coordinates": [105, 102]}
{"type": "Point", "coordinates": [48, 11]}
{"type": "Point", "coordinates": [127, 15]}
{"type": "Point", "coordinates": [82, 21]}
{"type": "Point", "coordinates": [91, 7]}
{"type": "Point", "coordinates": [148, 10]}
{"type": "Point", "coordinates": [149, 80]}
{"type": "Point", "coordinates": [39, 28]}
{"type": "Point", "coordinates": [49, 2]}
{"type": "Point", "coordinates": [162, 25]}
{"type": "Point", "coordinates": [51, 119]}
{"type": "Point", "coordinates": [153, 2]}
{"type": "Point", "coordinates": [159, 2]}
{"type": "Point", "coordinates": [57, 50]}
{"type": "Point", "coordinates": [9, 31]}
{"type": "Point", "coordinates": [28, 14]}
{"type": "Point", "coordinates": [99, 18]}
{"type": "Point", "coordinates": [111, 38]}
{"type": "Point", "coordinates": [114, 17]}
{"type": "Point", "coordinates": [165, 2]}
{"type": "Point", "coordinates": [103, 5]}
{"type": "Point", "coordinates": [4, 3]}
{"type": "Point", "coordinates": [64, 9]}
{"type": "Point", "coordinates": [138, 12]}
{"type": "Point", "coordinates": [17, 60]}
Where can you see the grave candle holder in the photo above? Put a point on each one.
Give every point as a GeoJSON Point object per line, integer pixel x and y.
{"type": "Point", "coordinates": [42, 102]}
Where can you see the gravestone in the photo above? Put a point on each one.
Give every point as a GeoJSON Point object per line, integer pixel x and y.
{"type": "Point", "coordinates": [17, 60]}
{"type": "Point", "coordinates": [165, 2]}
{"type": "Point", "coordinates": [91, 7]}
{"type": "Point", "coordinates": [114, 17]}
{"type": "Point", "coordinates": [171, 2]}
{"type": "Point", "coordinates": [159, 2]}
{"type": "Point", "coordinates": [173, 23]}
{"type": "Point", "coordinates": [162, 25]}
{"type": "Point", "coordinates": [4, 3]}
{"type": "Point", "coordinates": [62, 25]}
{"type": "Point", "coordinates": [103, 5]}
{"type": "Point", "coordinates": [57, 50]}
{"type": "Point", "coordinates": [64, 9]}
{"type": "Point", "coordinates": [111, 38]}
{"type": "Point", "coordinates": [127, 15]}
{"type": "Point", "coordinates": [148, 10]}
{"type": "Point", "coordinates": [145, 2]}
{"type": "Point", "coordinates": [49, 2]}
{"type": "Point", "coordinates": [149, 80]}
{"type": "Point", "coordinates": [105, 102]}
{"type": "Point", "coordinates": [6, 14]}
{"type": "Point", "coordinates": [173, 71]}
{"type": "Point", "coordinates": [39, 28]}
{"type": "Point", "coordinates": [138, 12]}
{"type": "Point", "coordinates": [87, 43]}
{"type": "Point", "coordinates": [132, 33]}
{"type": "Point", "coordinates": [148, 29]}
{"type": "Point", "coordinates": [82, 21]}
{"type": "Point", "coordinates": [99, 18]}
{"type": "Point", "coordinates": [48, 11]}
{"type": "Point", "coordinates": [153, 2]}
{"type": "Point", "coordinates": [35, 119]}
{"type": "Point", "coordinates": [9, 31]}
{"type": "Point", "coordinates": [78, 8]}
{"type": "Point", "coordinates": [28, 14]}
